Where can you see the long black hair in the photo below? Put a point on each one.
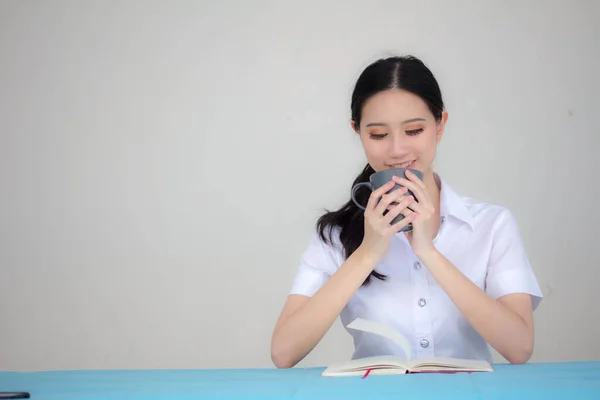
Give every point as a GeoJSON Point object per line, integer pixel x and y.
{"type": "Point", "coordinates": [403, 72]}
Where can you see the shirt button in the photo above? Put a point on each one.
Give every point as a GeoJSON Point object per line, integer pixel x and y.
{"type": "Point", "coordinates": [424, 343]}
{"type": "Point", "coordinates": [422, 302]}
{"type": "Point", "coordinates": [417, 265]}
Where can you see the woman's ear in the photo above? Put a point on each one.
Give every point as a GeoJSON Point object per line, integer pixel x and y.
{"type": "Point", "coordinates": [354, 126]}
{"type": "Point", "coordinates": [442, 126]}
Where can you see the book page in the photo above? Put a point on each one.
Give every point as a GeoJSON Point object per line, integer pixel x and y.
{"type": "Point", "coordinates": [444, 363]}
{"type": "Point", "coordinates": [360, 324]}
{"type": "Point", "coordinates": [379, 365]}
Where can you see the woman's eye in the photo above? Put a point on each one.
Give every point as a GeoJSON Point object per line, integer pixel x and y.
{"type": "Point", "coordinates": [378, 136]}
{"type": "Point", "coordinates": [414, 132]}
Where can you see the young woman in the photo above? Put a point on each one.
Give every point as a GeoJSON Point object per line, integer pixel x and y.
{"type": "Point", "coordinates": [460, 280]}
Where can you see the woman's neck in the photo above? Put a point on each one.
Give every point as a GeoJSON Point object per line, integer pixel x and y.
{"type": "Point", "coordinates": [433, 189]}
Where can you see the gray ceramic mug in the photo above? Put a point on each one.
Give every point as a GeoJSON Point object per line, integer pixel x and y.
{"type": "Point", "coordinates": [379, 179]}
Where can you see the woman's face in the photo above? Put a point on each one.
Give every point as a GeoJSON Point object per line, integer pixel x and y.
{"type": "Point", "coordinates": [399, 131]}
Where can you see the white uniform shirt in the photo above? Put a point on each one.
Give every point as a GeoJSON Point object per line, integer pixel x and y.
{"type": "Point", "coordinates": [481, 240]}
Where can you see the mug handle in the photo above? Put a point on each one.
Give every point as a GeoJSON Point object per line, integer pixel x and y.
{"type": "Point", "coordinates": [355, 188]}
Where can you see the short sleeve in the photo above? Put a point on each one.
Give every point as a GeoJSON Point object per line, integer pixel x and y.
{"type": "Point", "coordinates": [318, 263]}
{"type": "Point", "coordinates": [509, 269]}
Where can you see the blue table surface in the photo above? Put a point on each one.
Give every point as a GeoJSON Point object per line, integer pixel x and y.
{"type": "Point", "coordinates": [574, 380]}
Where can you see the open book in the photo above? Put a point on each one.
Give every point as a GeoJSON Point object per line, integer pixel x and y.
{"type": "Point", "coordinates": [382, 365]}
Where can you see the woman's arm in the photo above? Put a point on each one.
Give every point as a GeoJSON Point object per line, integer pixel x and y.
{"type": "Point", "coordinates": [305, 320]}
{"type": "Point", "coordinates": [506, 324]}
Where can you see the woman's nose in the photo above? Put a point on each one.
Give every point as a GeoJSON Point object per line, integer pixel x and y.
{"type": "Point", "coordinates": [397, 146]}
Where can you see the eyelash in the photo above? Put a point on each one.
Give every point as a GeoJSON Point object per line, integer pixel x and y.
{"type": "Point", "coordinates": [379, 136]}
{"type": "Point", "coordinates": [414, 132]}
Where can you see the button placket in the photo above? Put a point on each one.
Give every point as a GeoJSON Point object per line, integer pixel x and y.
{"type": "Point", "coordinates": [424, 324]}
{"type": "Point", "coordinates": [442, 220]}
{"type": "Point", "coordinates": [421, 311]}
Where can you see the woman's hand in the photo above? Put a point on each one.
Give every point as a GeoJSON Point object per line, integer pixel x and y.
{"type": "Point", "coordinates": [421, 237]}
{"type": "Point", "coordinates": [378, 227]}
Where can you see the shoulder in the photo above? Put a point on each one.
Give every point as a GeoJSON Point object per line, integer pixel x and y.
{"type": "Point", "coordinates": [324, 251]}
{"type": "Point", "coordinates": [488, 216]}
{"type": "Point", "coordinates": [483, 217]}
{"type": "Point", "coordinates": [507, 266]}
{"type": "Point", "coordinates": [320, 260]}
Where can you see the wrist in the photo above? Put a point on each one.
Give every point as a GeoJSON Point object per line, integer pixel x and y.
{"type": "Point", "coordinates": [366, 258]}
{"type": "Point", "coordinates": [428, 254]}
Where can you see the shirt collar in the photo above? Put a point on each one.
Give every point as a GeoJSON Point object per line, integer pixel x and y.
{"type": "Point", "coordinates": [452, 204]}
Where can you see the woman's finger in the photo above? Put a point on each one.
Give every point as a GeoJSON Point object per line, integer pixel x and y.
{"type": "Point", "coordinates": [388, 199]}
{"type": "Point", "coordinates": [414, 178]}
{"type": "Point", "coordinates": [376, 194]}
{"type": "Point", "coordinates": [401, 208]}
{"type": "Point", "coordinates": [417, 207]}
{"type": "Point", "coordinates": [417, 190]}
{"type": "Point", "coordinates": [408, 218]}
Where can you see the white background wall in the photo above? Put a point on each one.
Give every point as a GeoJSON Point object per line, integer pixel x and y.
{"type": "Point", "coordinates": [162, 163]}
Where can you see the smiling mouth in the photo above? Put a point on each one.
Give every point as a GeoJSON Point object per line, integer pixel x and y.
{"type": "Point", "coordinates": [407, 164]}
